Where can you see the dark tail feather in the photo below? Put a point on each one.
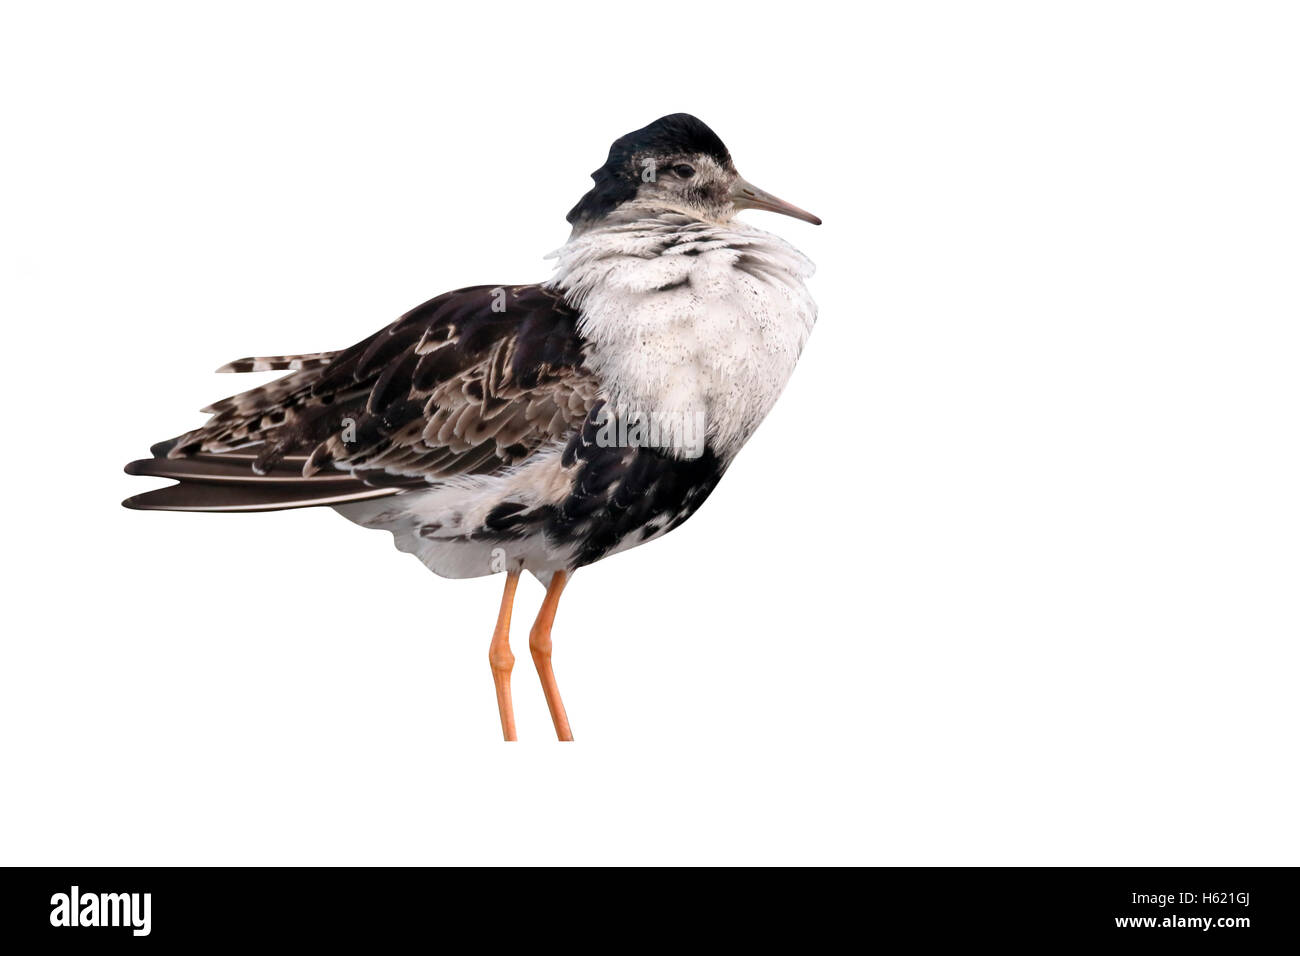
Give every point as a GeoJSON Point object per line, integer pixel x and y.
{"type": "Point", "coordinates": [227, 482]}
{"type": "Point", "coordinates": [202, 496]}
{"type": "Point", "coordinates": [223, 470]}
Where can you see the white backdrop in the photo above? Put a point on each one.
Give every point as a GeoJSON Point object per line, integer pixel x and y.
{"type": "Point", "coordinates": [1009, 575]}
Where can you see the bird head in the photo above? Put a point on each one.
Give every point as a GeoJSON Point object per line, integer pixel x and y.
{"type": "Point", "coordinates": [676, 164]}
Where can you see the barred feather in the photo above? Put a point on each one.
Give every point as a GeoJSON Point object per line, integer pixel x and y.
{"type": "Point", "coordinates": [278, 363]}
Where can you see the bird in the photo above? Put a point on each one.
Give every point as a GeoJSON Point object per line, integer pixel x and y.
{"type": "Point", "coordinates": [538, 427]}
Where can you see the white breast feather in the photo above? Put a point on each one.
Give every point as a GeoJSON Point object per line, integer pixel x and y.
{"type": "Point", "coordinates": [712, 325]}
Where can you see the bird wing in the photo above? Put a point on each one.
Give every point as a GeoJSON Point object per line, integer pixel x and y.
{"type": "Point", "coordinates": [470, 382]}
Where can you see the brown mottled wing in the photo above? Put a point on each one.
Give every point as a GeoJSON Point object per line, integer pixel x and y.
{"type": "Point", "coordinates": [469, 383]}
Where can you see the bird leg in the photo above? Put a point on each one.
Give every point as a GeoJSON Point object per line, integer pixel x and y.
{"type": "Point", "coordinates": [539, 642]}
{"type": "Point", "coordinates": [501, 659]}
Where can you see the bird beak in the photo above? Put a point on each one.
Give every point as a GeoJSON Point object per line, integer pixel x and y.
{"type": "Point", "coordinates": [748, 196]}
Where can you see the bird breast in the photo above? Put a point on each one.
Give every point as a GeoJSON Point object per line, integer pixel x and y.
{"type": "Point", "coordinates": [695, 325]}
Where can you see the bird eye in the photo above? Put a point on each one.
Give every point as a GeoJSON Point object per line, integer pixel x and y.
{"type": "Point", "coordinates": [684, 171]}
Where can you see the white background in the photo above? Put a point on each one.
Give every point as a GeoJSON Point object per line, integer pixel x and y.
{"type": "Point", "coordinates": [1009, 575]}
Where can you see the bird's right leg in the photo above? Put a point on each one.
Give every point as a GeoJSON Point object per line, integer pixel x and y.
{"type": "Point", "coordinates": [501, 659]}
{"type": "Point", "coordinates": [539, 642]}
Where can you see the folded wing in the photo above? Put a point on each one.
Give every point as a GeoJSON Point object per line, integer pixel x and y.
{"type": "Point", "coordinates": [471, 382]}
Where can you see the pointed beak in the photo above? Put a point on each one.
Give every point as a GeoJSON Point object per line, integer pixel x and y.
{"type": "Point", "coordinates": [748, 196]}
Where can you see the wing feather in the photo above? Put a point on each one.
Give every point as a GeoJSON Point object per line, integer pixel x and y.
{"type": "Point", "coordinates": [470, 382]}
{"type": "Point", "coordinates": [278, 363]}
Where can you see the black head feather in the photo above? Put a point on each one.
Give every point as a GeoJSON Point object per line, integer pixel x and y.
{"type": "Point", "coordinates": [617, 181]}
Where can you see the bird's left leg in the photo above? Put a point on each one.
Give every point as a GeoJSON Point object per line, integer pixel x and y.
{"type": "Point", "coordinates": [539, 642]}
{"type": "Point", "coordinates": [501, 659]}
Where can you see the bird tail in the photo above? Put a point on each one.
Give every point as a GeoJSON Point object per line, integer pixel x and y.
{"type": "Point", "coordinates": [252, 454]}
{"type": "Point", "coordinates": [227, 482]}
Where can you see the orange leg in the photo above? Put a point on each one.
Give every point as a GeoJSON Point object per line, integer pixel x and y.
{"type": "Point", "coordinates": [539, 642]}
{"type": "Point", "coordinates": [501, 659]}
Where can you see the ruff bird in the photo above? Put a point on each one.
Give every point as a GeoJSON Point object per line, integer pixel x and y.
{"type": "Point", "coordinates": [541, 427]}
